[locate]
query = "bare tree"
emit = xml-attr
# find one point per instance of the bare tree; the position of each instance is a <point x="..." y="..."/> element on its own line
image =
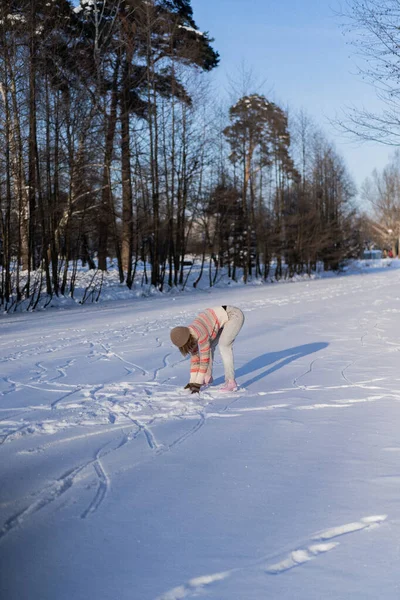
<point x="382" y="191"/>
<point x="375" y="35"/>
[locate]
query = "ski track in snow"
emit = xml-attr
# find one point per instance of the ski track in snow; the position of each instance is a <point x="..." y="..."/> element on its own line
<point x="318" y="544"/>
<point x="309" y="371"/>
<point x="43" y="498"/>
<point x="114" y="407"/>
<point x="117" y="402"/>
<point x="102" y="488"/>
<point x="53" y="491"/>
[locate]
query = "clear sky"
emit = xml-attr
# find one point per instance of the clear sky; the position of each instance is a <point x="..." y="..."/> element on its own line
<point x="298" y="49"/>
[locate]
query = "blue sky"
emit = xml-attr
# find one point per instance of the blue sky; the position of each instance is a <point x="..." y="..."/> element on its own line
<point x="296" y="47"/>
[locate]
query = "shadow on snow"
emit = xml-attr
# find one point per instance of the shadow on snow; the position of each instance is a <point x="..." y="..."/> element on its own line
<point x="277" y="360"/>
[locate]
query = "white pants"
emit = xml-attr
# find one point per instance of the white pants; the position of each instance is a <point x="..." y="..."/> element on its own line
<point x="225" y="339"/>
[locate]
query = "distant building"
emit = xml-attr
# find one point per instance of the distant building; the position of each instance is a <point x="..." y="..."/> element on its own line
<point x="372" y="254"/>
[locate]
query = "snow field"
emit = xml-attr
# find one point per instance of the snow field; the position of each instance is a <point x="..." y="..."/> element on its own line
<point x="117" y="484"/>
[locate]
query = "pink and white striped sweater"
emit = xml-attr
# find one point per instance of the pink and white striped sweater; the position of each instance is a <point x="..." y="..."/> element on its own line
<point x="205" y="329"/>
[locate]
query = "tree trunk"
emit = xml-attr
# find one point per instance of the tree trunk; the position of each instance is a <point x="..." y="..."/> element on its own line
<point x="106" y="213"/>
<point x="127" y="200"/>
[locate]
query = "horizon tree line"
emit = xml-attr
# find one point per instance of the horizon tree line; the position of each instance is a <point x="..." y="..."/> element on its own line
<point x="114" y="148"/>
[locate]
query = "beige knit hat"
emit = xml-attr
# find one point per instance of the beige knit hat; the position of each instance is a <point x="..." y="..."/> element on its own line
<point x="180" y="336"/>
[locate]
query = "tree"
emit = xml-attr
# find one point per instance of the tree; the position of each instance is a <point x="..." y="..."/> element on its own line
<point x="382" y="191"/>
<point x="374" y="25"/>
<point x="259" y="139"/>
<point x="145" y="40"/>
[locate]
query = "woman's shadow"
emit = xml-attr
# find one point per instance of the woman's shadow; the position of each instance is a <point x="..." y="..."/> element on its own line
<point x="276" y="359"/>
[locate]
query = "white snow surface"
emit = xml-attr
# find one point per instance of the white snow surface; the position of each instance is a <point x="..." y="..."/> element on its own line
<point x="118" y="485"/>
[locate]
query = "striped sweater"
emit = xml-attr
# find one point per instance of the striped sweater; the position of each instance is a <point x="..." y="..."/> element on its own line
<point x="205" y="329"/>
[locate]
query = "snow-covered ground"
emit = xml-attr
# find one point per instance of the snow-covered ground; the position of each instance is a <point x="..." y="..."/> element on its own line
<point x="95" y="286"/>
<point x="117" y="485"/>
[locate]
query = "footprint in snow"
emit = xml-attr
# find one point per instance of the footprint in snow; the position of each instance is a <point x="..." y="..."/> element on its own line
<point x="303" y="555"/>
<point x="195" y="587"/>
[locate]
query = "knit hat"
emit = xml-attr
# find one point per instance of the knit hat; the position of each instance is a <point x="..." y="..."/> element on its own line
<point x="180" y="336"/>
